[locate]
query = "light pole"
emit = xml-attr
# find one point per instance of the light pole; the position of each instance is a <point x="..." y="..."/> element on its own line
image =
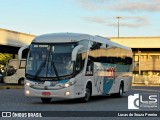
<point x="118" y="25"/>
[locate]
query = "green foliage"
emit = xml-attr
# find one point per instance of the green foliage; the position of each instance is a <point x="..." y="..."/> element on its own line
<point x="145" y="73"/>
<point x="4" y="58"/>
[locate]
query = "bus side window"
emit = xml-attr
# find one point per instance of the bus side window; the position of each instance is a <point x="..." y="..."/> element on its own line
<point x="80" y="60"/>
<point x="22" y="64"/>
<point x="90" y="66"/>
<point x="128" y="61"/>
<point x="79" y="63"/>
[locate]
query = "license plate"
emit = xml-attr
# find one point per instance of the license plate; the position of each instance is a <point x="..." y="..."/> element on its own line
<point x="46" y="93"/>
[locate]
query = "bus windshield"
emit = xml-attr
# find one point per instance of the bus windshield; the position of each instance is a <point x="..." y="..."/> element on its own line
<point x="50" y="60"/>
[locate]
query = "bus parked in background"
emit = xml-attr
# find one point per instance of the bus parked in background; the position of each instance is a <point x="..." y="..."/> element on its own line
<point x="2" y="73"/>
<point x="15" y="71"/>
<point x="72" y="65"/>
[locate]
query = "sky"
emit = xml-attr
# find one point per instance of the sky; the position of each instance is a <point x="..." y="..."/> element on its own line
<point x="95" y="17"/>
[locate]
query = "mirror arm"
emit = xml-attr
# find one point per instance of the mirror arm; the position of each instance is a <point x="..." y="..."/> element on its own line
<point x="74" y="52"/>
<point x="21" y="50"/>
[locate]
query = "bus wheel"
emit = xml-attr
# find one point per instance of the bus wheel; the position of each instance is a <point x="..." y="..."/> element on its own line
<point x="21" y="81"/>
<point x="1" y="80"/>
<point x="87" y="96"/>
<point x="120" y="93"/>
<point x="46" y="100"/>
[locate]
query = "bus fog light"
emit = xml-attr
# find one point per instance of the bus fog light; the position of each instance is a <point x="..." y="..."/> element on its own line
<point x="27" y="92"/>
<point x="67" y="93"/>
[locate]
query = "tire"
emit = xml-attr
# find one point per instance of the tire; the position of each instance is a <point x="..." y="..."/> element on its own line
<point x="1" y="80"/>
<point x="21" y="81"/>
<point x="120" y="93"/>
<point x="46" y="100"/>
<point x="87" y="96"/>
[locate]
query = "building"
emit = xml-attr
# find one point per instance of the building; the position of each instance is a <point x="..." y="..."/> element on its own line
<point x="146" y="50"/>
<point x="146" y="53"/>
<point x="14" y="38"/>
<point x="11" y="41"/>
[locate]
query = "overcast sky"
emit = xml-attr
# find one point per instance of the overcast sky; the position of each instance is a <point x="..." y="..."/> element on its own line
<point x="96" y="17"/>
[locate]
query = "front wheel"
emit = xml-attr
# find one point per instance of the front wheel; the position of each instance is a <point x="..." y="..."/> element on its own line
<point x="46" y="100"/>
<point x="87" y="96"/>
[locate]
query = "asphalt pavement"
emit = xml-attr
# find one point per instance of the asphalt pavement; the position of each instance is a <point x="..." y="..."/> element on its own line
<point x="15" y="100"/>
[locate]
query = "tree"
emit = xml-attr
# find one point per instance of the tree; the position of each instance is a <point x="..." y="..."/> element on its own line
<point x="4" y="58"/>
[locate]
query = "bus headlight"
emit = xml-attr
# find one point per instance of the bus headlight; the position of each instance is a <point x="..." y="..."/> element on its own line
<point x="28" y="84"/>
<point x="67" y="85"/>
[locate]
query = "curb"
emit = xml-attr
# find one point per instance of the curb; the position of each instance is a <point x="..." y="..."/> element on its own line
<point x="145" y="85"/>
<point x="11" y="87"/>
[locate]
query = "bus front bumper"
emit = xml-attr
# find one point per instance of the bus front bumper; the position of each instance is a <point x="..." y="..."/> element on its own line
<point x="61" y="93"/>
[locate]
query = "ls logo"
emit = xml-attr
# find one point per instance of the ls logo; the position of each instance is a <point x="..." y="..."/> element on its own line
<point x="143" y="101"/>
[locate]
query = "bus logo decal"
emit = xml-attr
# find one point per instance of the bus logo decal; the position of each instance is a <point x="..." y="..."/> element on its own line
<point x="111" y="72"/>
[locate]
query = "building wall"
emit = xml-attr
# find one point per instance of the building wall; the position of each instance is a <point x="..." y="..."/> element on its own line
<point x="12" y="38"/>
<point x="138" y="42"/>
<point x="146" y="53"/>
<point x="149" y="61"/>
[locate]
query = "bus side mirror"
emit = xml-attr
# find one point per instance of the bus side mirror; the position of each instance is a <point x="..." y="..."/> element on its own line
<point x="75" y="51"/>
<point x="21" y="50"/>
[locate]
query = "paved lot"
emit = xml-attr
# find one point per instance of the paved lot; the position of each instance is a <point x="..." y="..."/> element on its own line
<point x="14" y="100"/>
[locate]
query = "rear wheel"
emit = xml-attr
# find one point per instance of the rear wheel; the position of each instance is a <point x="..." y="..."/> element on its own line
<point x="46" y="100"/>
<point x="120" y="93"/>
<point x="87" y="96"/>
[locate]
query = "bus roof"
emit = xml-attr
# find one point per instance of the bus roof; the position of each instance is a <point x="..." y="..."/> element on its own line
<point x="73" y="37"/>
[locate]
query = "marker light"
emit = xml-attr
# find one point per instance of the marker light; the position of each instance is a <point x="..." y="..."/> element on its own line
<point x="27" y="92"/>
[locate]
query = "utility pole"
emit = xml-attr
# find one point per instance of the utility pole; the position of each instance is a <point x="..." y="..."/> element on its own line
<point x="118" y="24"/>
<point x="139" y="59"/>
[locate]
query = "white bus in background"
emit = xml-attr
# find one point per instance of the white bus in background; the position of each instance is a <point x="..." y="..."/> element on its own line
<point x="15" y="71"/>
<point x="72" y="65"/>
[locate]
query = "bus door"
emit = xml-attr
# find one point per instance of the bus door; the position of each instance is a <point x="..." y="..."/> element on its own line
<point x="98" y="78"/>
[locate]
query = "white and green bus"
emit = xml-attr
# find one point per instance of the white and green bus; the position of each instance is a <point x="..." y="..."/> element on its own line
<point x="73" y="65"/>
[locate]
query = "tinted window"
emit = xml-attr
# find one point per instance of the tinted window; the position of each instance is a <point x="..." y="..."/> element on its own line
<point x="109" y="54"/>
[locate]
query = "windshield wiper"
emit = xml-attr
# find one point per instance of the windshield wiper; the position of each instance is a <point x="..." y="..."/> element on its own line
<point x="39" y="69"/>
<point x="55" y="70"/>
<point x="29" y="76"/>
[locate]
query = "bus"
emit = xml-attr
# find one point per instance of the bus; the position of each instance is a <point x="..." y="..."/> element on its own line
<point x="15" y="72"/>
<point x="74" y="65"/>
